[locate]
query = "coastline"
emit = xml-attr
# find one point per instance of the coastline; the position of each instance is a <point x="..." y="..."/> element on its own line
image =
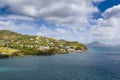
<point x="19" y="53"/>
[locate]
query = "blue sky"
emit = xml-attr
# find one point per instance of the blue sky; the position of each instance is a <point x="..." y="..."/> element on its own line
<point x="108" y="4"/>
<point x="74" y="20"/>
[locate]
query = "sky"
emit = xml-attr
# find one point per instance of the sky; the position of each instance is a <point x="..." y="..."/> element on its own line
<point x="74" y="20"/>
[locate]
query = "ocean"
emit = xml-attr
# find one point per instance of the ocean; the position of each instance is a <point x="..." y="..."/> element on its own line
<point x="99" y="63"/>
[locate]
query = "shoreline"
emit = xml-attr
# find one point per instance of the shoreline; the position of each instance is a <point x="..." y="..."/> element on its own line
<point x="6" y="55"/>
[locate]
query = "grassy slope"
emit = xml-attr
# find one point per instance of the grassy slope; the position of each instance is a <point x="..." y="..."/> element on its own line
<point x="6" y="35"/>
<point x="8" y="51"/>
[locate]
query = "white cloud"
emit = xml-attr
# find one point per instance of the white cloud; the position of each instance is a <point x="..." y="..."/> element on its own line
<point x="59" y="12"/>
<point x="71" y="17"/>
<point x="16" y="17"/>
<point x="7" y="25"/>
<point x="59" y="33"/>
<point x="22" y="27"/>
<point x="65" y="33"/>
<point x="108" y="27"/>
<point x="112" y="12"/>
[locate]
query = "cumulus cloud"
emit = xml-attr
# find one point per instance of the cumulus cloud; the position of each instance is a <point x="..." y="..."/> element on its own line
<point x="62" y="12"/>
<point x="16" y="17"/>
<point x="58" y="33"/>
<point x="65" y="33"/>
<point x="71" y="19"/>
<point x="108" y="27"/>
<point x="23" y="27"/>
<point x="112" y="12"/>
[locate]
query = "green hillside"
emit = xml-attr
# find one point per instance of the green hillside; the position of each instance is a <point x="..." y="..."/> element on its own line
<point x="36" y="45"/>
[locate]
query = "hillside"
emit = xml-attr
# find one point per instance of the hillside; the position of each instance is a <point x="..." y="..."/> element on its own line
<point x="6" y="34"/>
<point x="37" y="45"/>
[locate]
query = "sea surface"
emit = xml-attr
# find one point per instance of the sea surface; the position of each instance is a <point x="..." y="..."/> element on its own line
<point x="97" y="64"/>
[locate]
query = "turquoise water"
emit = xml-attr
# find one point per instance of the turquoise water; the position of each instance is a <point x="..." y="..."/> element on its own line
<point x="97" y="64"/>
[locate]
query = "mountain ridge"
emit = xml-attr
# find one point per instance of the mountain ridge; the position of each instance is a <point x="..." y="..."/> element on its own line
<point x="96" y="44"/>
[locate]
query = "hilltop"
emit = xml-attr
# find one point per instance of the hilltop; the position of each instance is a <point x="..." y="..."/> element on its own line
<point x="35" y="45"/>
<point x="6" y="35"/>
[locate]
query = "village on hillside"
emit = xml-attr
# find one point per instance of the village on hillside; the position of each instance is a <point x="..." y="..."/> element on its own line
<point x="17" y="44"/>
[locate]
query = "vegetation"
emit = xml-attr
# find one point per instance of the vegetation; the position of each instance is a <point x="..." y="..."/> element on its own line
<point x="7" y="52"/>
<point x="15" y="44"/>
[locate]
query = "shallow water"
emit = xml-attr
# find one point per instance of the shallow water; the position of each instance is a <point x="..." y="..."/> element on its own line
<point x="97" y="64"/>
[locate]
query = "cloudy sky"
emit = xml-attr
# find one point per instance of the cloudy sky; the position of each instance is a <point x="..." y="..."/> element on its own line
<point x="78" y="20"/>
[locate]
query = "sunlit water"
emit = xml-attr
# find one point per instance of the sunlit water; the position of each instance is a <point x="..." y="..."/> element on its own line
<point x="97" y="64"/>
